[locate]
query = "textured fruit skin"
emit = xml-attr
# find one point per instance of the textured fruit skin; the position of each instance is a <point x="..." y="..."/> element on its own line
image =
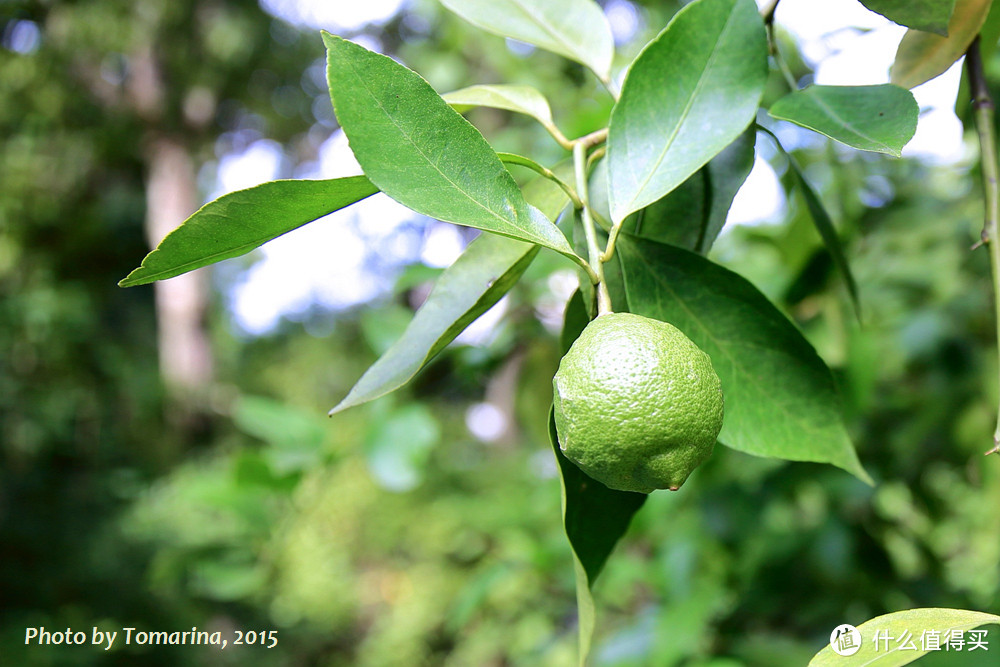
<point x="638" y="405"/>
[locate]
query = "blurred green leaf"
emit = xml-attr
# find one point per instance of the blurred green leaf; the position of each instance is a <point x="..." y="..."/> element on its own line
<point x="879" y="118"/>
<point x="780" y="397"/>
<point x="519" y="99"/>
<point x="921" y="56"/>
<point x="488" y="268"/>
<point x="927" y="15"/>
<point x="827" y="231"/>
<point x="235" y="224"/>
<point x="296" y="437"/>
<point x="398" y="445"/>
<point x="714" y="54"/>
<point x="422" y="153"/>
<point x="891" y="627"/>
<point x="575" y="29"/>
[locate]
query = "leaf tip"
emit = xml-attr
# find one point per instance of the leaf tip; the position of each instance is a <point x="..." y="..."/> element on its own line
<point x="132" y="280"/>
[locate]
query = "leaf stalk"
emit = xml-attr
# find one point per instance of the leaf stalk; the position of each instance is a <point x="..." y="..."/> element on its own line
<point x="589" y="230"/>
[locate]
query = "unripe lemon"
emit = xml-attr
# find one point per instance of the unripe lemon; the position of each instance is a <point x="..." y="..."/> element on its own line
<point x="638" y="405"/>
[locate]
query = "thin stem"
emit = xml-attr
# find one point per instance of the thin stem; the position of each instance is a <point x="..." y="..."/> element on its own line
<point x="592" y="139"/>
<point x="593" y="251"/>
<point x="595" y="156"/>
<point x="983" y="108"/>
<point x="520" y="160"/>
<point x="609" y="250"/>
<point x="767" y="12"/>
<point x="558" y="136"/>
<point x="772" y="46"/>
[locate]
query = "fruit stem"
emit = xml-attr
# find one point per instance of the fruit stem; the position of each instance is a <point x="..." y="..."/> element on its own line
<point x="593" y="251"/>
<point x="982" y="105"/>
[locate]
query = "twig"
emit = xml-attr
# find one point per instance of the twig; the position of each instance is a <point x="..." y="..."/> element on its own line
<point x="982" y="113"/>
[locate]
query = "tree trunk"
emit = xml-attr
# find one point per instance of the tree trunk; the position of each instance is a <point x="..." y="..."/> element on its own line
<point x="181" y="302"/>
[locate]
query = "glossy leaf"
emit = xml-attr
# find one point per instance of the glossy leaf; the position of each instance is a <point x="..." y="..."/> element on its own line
<point x="824" y="225"/>
<point x="879" y="118"/>
<point x="487" y="269"/>
<point x="238" y="222"/>
<point x="927" y="15"/>
<point x="594" y="516"/>
<point x="687" y="96"/>
<point x="693" y="214"/>
<point x="879" y="647"/>
<point x="780" y="397"/>
<point x="519" y="99"/>
<point x="575" y="29"/>
<point x="921" y="56"/>
<point x="422" y="153"/>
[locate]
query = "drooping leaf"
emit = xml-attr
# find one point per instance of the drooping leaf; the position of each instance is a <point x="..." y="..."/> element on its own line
<point x="238" y="222"/>
<point x="422" y="153"/>
<point x="487" y="269"/>
<point x="687" y="96"/>
<point x="824" y="225"/>
<point x="879" y="118"/>
<point x="921" y="56"/>
<point x="594" y="516"/>
<point x="779" y="395"/>
<point x="901" y="637"/>
<point x="693" y="214"/>
<point x="926" y="15"/>
<point x="519" y="99"/>
<point x="576" y="29"/>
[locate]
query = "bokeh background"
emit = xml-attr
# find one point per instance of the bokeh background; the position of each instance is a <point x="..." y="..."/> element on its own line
<point x="165" y="458"/>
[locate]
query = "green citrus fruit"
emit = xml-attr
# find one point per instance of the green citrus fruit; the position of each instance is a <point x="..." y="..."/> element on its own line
<point x="638" y="405"/>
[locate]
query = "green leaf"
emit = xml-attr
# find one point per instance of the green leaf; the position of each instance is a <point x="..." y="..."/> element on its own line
<point x="921" y="56"/>
<point x="238" y="222"/>
<point x="826" y="229"/>
<point x="687" y="96"/>
<point x="780" y="397"/>
<point x="693" y="214"/>
<point x="422" y="153"/>
<point x="878" y="645"/>
<point x="575" y="29"/>
<point x="519" y="99"/>
<point x="487" y="269"/>
<point x="926" y="15"/>
<point x="398" y="445"/>
<point x="879" y="118"/>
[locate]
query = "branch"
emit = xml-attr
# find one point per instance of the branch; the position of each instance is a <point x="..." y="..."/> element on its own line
<point x="982" y="113"/>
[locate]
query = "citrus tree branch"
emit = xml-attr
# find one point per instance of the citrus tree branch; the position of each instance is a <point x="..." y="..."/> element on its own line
<point x="982" y="113"/>
<point x="593" y="251"/>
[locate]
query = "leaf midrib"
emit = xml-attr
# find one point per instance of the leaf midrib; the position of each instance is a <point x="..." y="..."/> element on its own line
<point x="548" y="28"/>
<point x="684" y="114"/>
<point x="513" y="223"/>
<point x="849" y="126"/>
<point x="212" y="258"/>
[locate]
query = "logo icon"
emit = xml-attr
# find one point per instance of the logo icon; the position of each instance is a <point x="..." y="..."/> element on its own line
<point x="845" y="640"/>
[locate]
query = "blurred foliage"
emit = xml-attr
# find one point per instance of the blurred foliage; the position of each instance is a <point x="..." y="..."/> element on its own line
<point x="391" y="534"/>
